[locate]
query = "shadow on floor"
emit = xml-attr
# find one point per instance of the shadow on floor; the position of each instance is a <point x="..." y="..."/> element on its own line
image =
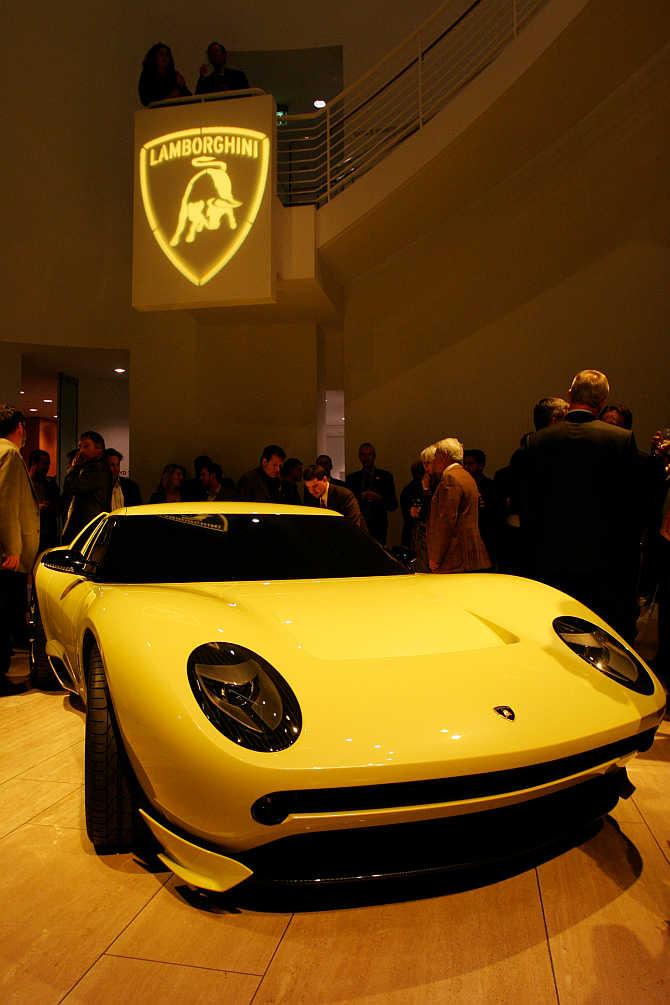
<point x="602" y="840"/>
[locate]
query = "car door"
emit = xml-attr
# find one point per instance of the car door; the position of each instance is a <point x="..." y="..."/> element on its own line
<point x="67" y="594"/>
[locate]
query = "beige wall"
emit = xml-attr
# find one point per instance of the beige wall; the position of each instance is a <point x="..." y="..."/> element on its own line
<point x="366" y="31"/>
<point x="68" y="173"/>
<point x="564" y="264"/>
<point x="103" y="406"/>
<point x="10" y="374"/>
<point x="223" y="391"/>
<point x="256" y="385"/>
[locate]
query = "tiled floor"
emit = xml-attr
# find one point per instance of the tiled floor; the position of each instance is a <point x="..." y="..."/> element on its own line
<point x="588" y="926"/>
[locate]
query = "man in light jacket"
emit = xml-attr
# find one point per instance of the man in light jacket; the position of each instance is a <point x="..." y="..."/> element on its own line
<point x="453" y="539"/>
<point x="19" y="531"/>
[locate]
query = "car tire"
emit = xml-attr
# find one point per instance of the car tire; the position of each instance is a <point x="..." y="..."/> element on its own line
<point x="41" y="674"/>
<point x="108" y="790"/>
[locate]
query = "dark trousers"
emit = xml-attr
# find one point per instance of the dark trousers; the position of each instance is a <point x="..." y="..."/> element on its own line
<point x="12" y="614"/>
<point x="662" y="661"/>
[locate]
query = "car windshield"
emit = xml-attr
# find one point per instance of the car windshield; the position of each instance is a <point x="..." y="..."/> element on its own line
<point x="215" y="547"/>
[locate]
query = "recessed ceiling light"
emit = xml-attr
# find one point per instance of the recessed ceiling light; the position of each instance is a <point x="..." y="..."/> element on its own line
<point x="119" y="369"/>
<point x="48" y="401"/>
<point x="55" y="416"/>
<point x="22" y="392"/>
<point x="319" y="103"/>
<point x="32" y="409"/>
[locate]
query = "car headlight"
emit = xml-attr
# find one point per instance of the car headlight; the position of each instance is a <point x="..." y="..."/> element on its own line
<point x="244" y="697"/>
<point x="604" y="653"/>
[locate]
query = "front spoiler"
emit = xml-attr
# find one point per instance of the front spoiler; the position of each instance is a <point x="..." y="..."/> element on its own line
<point x="196" y="865"/>
<point x="406" y="850"/>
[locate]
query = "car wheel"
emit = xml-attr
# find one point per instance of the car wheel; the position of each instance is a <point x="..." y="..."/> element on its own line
<point x="108" y="790"/>
<point x="41" y="674"/>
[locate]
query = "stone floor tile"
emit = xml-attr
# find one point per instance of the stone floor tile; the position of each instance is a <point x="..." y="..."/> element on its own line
<point x="115" y="979"/>
<point x="482" y="945"/>
<point x="21" y="799"/>
<point x="174" y="930"/>
<point x="61" y="905"/>
<point x="607" y="905"/>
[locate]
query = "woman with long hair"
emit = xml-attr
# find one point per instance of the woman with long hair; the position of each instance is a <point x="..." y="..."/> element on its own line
<point x="159" y="79"/>
<point x="169" y="487"/>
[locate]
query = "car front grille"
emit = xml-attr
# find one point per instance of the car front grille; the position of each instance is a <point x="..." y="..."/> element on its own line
<point x="428" y="849"/>
<point x="274" y="808"/>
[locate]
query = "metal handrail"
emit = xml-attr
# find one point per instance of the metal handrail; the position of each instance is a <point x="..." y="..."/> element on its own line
<point x="321" y="153"/>
<point x="194" y="99"/>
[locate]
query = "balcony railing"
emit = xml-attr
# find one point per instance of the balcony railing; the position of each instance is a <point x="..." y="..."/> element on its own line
<point x="321" y="153"/>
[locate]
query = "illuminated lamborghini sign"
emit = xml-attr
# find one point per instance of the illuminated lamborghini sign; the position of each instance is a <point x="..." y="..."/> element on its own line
<point x="201" y="191"/>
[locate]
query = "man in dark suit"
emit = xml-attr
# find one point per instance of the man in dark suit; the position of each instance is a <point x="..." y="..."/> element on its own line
<point x="216" y="486"/>
<point x="263" y="484"/>
<point x="325" y="461"/>
<point x="222" y="77"/>
<point x="87" y="489"/>
<point x="580" y="506"/>
<point x="125" y="492"/>
<point x="375" y="490"/>
<point x="335" y="497"/>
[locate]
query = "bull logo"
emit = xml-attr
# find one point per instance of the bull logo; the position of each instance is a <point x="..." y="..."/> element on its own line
<point x="201" y="219"/>
<point x="506" y="712"/>
<point x="198" y="214"/>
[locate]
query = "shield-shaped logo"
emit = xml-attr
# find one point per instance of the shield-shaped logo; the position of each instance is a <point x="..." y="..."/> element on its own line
<point x="506" y="712"/>
<point x="201" y="190"/>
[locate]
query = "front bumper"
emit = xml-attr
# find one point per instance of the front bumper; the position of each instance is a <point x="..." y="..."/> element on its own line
<point x="409" y="850"/>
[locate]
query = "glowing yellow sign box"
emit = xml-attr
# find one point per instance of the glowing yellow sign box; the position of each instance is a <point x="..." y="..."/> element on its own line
<point x="189" y="193"/>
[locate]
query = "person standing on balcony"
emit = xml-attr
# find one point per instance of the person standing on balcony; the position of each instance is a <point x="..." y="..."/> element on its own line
<point x="159" y="79"/>
<point x="221" y="77"/>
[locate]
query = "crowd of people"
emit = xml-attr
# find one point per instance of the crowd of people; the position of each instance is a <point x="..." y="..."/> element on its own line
<point x="578" y="507"/>
<point x="160" y="79"/>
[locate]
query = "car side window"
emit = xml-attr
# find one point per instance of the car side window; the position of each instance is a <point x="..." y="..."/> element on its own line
<point x="84" y="538"/>
<point x="98" y="544"/>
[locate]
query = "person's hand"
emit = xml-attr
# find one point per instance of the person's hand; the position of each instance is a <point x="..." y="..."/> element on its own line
<point x="204" y="70"/>
<point x="10" y="563"/>
<point x="433" y="566"/>
<point x="415" y="512"/>
<point x="371" y="496"/>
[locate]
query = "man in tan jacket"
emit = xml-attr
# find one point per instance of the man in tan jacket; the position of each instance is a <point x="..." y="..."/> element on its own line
<point x="453" y="540"/>
<point x="19" y="530"/>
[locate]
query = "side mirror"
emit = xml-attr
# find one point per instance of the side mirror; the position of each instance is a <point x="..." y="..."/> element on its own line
<point x="404" y="556"/>
<point x="68" y="561"/>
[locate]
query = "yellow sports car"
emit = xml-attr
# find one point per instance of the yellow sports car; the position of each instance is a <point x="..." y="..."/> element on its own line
<point x="273" y="694"/>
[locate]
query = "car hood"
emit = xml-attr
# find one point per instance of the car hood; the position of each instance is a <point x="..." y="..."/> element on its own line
<point x="354" y="619"/>
<point x="390" y="671"/>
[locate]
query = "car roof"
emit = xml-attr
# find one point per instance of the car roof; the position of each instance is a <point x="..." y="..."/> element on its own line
<point x="230" y="508"/>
